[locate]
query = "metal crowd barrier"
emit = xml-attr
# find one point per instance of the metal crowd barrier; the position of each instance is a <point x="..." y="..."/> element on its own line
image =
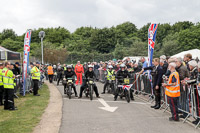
<point x="102" y="76"/>
<point x="189" y="100"/>
<point x="142" y="85"/>
<point x="29" y="85"/>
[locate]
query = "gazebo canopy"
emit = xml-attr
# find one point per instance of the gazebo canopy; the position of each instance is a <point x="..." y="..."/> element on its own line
<point x="194" y="52"/>
<point x="6" y="54"/>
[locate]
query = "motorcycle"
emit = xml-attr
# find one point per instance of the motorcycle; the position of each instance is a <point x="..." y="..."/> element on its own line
<point x="112" y="83"/>
<point x="68" y="85"/>
<point x="90" y="88"/>
<point x="124" y="89"/>
<point x="55" y="76"/>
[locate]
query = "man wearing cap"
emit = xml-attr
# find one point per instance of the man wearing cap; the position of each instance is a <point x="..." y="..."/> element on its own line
<point x="1" y="85"/>
<point x="35" y="72"/>
<point x="37" y="65"/>
<point x="16" y="69"/>
<point x="79" y="71"/>
<point x="8" y="84"/>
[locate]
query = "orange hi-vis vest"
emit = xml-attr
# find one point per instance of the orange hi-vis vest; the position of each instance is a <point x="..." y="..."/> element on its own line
<point x="50" y="70"/>
<point x="173" y="91"/>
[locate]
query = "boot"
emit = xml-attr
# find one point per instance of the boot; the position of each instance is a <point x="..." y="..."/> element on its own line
<point x="157" y="106"/>
<point x="154" y="105"/>
<point x="196" y="122"/>
<point x="158" y="100"/>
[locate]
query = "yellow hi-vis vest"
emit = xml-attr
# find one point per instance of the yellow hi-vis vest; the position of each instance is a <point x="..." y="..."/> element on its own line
<point x="35" y="72"/>
<point x="109" y="74"/>
<point x="1" y="78"/>
<point x="173" y="91"/>
<point x="8" y="80"/>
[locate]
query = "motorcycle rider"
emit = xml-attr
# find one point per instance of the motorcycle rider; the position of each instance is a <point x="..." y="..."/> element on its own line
<point x="50" y="73"/>
<point x="122" y="73"/>
<point x="69" y="73"/>
<point x="110" y="73"/>
<point x="89" y="74"/>
<point x="59" y="74"/>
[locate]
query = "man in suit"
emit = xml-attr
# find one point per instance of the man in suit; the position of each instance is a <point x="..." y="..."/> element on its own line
<point x="157" y="81"/>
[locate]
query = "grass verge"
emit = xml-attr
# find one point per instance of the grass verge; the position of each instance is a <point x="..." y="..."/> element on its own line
<point x="28" y="115"/>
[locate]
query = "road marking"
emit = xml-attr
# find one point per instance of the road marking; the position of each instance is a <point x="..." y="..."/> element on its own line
<point x="126" y="102"/>
<point x="84" y="100"/>
<point x="123" y="102"/>
<point x="106" y="106"/>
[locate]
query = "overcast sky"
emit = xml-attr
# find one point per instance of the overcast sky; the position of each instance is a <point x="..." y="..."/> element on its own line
<point x="71" y="14"/>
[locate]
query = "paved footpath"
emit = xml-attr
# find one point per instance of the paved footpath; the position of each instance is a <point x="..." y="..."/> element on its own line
<point x="51" y="119"/>
<point x="85" y="116"/>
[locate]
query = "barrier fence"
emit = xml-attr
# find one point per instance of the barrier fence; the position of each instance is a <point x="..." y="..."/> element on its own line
<point x="18" y="89"/>
<point x="189" y="100"/>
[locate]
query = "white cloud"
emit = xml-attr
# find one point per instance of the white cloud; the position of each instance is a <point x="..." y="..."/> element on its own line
<point x="71" y="14"/>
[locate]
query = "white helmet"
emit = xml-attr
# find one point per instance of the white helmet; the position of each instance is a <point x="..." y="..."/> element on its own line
<point x="54" y="66"/>
<point x="90" y="66"/>
<point x="110" y="67"/>
<point x="122" y="65"/>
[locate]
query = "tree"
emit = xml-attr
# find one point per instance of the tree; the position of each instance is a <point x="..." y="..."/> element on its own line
<point x="126" y="29"/>
<point x="13" y="45"/>
<point x="177" y="27"/>
<point x="143" y="33"/>
<point x="119" y="52"/>
<point x="103" y="40"/>
<point x="8" y="33"/>
<point x="170" y="45"/>
<point x="189" y="38"/>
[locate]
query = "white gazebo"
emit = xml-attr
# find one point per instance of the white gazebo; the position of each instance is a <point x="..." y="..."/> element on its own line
<point x="194" y="52"/>
<point x="6" y="54"/>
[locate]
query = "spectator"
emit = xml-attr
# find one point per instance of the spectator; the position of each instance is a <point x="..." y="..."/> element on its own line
<point x="173" y="91"/>
<point x="183" y="73"/>
<point x="165" y="65"/>
<point x="187" y="59"/>
<point x="16" y="69"/>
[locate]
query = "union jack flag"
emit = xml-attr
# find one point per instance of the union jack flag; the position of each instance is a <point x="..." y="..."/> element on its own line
<point x="126" y="87"/>
<point x="151" y="43"/>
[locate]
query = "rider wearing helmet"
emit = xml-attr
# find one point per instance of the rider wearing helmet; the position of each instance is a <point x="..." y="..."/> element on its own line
<point x="110" y="72"/>
<point x="59" y="74"/>
<point x="89" y="74"/>
<point x="122" y="73"/>
<point x="69" y="73"/>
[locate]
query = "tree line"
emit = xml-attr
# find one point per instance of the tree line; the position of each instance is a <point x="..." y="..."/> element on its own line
<point x="95" y="44"/>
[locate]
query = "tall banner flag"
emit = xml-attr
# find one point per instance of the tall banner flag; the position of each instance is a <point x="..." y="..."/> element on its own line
<point x="27" y="42"/>
<point x="151" y="42"/>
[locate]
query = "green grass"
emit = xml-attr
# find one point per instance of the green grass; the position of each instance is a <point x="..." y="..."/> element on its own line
<point x="28" y="115"/>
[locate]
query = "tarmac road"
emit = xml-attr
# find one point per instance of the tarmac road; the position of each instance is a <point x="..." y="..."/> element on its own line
<point x="85" y="116"/>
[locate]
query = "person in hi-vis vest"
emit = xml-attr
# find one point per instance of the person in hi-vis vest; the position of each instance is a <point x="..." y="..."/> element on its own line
<point x="8" y="84"/>
<point x="50" y="73"/>
<point x="172" y="90"/>
<point x="1" y="85"/>
<point x="35" y="74"/>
